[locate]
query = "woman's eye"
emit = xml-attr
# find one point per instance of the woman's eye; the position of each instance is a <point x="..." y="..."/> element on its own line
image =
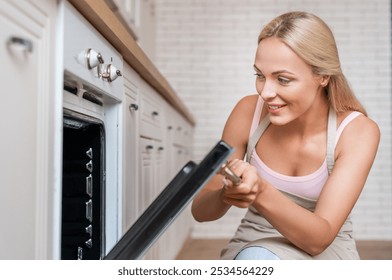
<point x="260" y="76"/>
<point x="283" y="81"/>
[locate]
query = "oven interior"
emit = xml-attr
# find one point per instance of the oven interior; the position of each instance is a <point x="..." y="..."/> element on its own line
<point x="82" y="226"/>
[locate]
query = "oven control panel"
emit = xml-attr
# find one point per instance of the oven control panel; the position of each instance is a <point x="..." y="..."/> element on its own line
<point x="89" y="58"/>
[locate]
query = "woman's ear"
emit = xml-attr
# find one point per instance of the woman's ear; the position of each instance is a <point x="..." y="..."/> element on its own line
<point x="324" y="80"/>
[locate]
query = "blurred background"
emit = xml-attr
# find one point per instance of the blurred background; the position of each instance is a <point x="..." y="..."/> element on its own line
<point x="205" y="48"/>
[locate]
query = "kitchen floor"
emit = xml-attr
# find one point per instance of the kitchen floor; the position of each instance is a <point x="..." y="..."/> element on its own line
<point x="209" y="249"/>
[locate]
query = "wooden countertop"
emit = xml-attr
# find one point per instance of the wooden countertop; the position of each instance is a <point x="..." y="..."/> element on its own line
<point x="99" y="14"/>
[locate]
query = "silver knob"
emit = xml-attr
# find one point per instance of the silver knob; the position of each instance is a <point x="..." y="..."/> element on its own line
<point x="24" y="44"/>
<point x="133" y="107"/>
<point x="90" y="58"/>
<point x="110" y="73"/>
<point x="149" y="147"/>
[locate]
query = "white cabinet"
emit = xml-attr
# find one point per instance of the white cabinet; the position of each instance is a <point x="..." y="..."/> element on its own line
<point x="130" y="201"/>
<point x="157" y="141"/>
<point x="26" y="122"/>
<point x="139" y="17"/>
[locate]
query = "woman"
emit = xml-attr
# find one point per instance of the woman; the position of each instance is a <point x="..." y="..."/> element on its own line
<point x="309" y="147"/>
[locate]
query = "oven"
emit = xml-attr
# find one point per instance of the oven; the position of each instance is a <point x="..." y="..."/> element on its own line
<point x="92" y="97"/>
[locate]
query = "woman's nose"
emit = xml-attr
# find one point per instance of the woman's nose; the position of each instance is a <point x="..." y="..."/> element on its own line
<point x="268" y="91"/>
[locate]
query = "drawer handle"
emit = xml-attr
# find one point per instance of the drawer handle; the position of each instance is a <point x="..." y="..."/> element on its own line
<point x="25" y="44"/>
<point x="133" y="107"/>
<point x="149" y="147"/>
<point x="155" y="113"/>
<point x="161" y="148"/>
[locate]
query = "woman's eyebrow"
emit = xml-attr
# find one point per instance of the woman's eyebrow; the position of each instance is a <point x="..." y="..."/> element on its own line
<point x="284" y="71"/>
<point x="256" y="69"/>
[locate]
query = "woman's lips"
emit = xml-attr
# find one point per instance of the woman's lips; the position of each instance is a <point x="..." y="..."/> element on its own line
<point x="275" y="107"/>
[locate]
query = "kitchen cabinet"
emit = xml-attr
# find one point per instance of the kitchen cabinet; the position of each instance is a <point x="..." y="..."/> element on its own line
<point x="157" y="143"/>
<point x="138" y="17"/>
<point x="130" y="201"/>
<point x="27" y="190"/>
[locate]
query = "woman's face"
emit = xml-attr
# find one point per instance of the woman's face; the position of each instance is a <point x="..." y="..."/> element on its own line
<point x="285" y="82"/>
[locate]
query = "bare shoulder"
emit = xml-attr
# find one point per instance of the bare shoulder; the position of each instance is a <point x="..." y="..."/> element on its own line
<point x="361" y="132"/>
<point x="238" y="125"/>
<point x="247" y="103"/>
<point x="244" y="109"/>
<point x="361" y="125"/>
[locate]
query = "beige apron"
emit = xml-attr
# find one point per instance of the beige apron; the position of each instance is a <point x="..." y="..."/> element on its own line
<point x="255" y="230"/>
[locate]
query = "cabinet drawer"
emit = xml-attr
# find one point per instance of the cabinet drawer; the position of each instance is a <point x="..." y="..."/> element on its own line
<point x="151" y="117"/>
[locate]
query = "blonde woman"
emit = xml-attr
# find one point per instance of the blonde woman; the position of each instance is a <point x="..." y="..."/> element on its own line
<point x="308" y="145"/>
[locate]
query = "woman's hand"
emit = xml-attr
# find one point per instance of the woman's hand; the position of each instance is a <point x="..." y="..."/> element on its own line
<point x="243" y="194"/>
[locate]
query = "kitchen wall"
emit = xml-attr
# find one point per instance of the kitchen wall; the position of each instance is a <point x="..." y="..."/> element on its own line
<point x="205" y="48"/>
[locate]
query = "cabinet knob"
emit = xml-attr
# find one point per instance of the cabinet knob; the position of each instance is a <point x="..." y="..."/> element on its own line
<point x="149" y="147"/>
<point x="155" y="113"/>
<point x="133" y="107"/>
<point x="90" y="58"/>
<point x="161" y="148"/>
<point x="110" y="73"/>
<point x="24" y="44"/>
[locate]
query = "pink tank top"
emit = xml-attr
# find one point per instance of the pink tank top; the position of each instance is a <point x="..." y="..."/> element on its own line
<point x="308" y="186"/>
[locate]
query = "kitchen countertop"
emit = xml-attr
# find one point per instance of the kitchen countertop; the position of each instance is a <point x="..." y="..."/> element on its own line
<point x="99" y="14"/>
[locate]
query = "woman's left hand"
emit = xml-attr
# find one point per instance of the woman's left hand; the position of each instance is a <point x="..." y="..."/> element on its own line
<point x="243" y="194"/>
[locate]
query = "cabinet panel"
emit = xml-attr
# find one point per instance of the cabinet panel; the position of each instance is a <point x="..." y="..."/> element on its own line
<point x="25" y="119"/>
<point x="130" y="164"/>
<point x="152" y="114"/>
<point x="146" y="183"/>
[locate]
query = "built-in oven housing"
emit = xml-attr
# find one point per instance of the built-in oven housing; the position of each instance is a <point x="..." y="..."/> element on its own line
<point x="92" y="96"/>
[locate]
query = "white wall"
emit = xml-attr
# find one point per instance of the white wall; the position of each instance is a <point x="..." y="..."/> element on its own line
<point x="205" y="48"/>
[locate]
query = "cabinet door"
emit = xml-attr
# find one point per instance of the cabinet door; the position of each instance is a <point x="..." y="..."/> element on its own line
<point x="25" y="108"/>
<point x="130" y="194"/>
<point x="146" y="183"/>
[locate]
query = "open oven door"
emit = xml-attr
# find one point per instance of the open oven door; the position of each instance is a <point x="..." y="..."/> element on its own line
<point x="169" y="204"/>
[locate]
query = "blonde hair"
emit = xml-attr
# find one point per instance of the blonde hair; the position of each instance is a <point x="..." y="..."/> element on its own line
<point x="312" y="40"/>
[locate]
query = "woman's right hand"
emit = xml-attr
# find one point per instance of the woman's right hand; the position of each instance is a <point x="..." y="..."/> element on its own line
<point x="243" y="194"/>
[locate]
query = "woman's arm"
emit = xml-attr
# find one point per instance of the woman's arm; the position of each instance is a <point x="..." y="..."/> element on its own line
<point x="209" y="204"/>
<point x="314" y="232"/>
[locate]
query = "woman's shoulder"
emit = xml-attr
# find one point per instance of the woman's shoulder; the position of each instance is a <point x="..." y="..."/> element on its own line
<point x="357" y="126"/>
<point x="245" y="107"/>
<point x="248" y="102"/>
<point x="356" y="120"/>
<point x="239" y="122"/>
